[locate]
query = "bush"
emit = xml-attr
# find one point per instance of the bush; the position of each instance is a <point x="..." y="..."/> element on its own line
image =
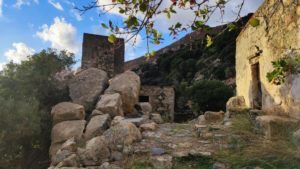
<point x="209" y="95"/>
<point x="27" y="93"/>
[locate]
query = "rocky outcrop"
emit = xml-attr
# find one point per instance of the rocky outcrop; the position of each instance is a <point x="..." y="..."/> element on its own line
<point x="236" y="104"/>
<point x="111" y="104"/>
<point x="96" y="126"/>
<point x="67" y="111"/>
<point x="66" y="130"/>
<point x="95" y="153"/>
<point x="128" y="85"/>
<point x="86" y="87"/>
<point x="122" y="133"/>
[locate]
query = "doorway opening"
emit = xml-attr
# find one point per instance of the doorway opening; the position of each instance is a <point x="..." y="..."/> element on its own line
<point x="256" y="87"/>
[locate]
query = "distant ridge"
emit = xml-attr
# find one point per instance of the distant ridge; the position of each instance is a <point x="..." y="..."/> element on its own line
<point x="196" y="35"/>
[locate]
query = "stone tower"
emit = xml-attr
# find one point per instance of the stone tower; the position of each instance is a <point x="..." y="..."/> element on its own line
<point x="97" y="52"/>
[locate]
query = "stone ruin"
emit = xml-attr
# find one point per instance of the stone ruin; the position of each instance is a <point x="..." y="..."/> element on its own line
<point x="98" y="52"/>
<point x="277" y="36"/>
<point x="162" y="100"/>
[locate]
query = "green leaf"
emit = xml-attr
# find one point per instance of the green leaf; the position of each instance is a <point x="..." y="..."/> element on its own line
<point x="168" y="14"/>
<point x="104" y="26"/>
<point x="254" y="22"/>
<point x="143" y="7"/>
<point x="112" y="38"/>
<point x="209" y="41"/>
<point x="178" y="25"/>
<point x="231" y="26"/>
<point x="199" y="24"/>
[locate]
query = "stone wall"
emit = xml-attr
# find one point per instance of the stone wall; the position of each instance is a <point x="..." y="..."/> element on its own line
<point x="162" y="100"/>
<point x="278" y="35"/>
<point x="97" y="52"/>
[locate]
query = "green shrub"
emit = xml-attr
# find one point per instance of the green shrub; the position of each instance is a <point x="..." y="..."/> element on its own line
<point x="27" y="93"/>
<point x="209" y="95"/>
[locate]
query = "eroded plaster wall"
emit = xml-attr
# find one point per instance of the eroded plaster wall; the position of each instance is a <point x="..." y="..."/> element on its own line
<point x="277" y="36"/>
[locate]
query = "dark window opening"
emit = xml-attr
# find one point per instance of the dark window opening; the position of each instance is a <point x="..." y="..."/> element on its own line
<point x="144" y="99"/>
<point x="256" y="87"/>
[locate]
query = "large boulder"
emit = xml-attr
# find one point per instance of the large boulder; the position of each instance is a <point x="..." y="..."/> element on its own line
<point x="95" y="153"/>
<point x="66" y="130"/>
<point x="96" y="126"/>
<point x="86" y="87"/>
<point x="275" y="126"/>
<point x="110" y="104"/>
<point x="122" y="133"/>
<point x="128" y="84"/>
<point x="67" y="111"/>
<point x="236" y="104"/>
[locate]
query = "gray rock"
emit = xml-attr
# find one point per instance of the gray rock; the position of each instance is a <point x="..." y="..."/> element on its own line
<point x="60" y="156"/>
<point x="96" y="113"/>
<point x="96" y="126"/>
<point x="67" y="111"/>
<point x="218" y="165"/>
<point x="110" y="104"/>
<point x="162" y="162"/>
<point x="106" y="165"/>
<point x="146" y="107"/>
<point x="117" y="120"/>
<point x="135" y="121"/>
<point x="70" y="161"/>
<point x="128" y="85"/>
<point x="148" y="126"/>
<point x="54" y="147"/>
<point x="69" y="145"/>
<point x="123" y="133"/>
<point x="116" y="156"/>
<point x="157" y="118"/>
<point x="95" y="153"/>
<point x="157" y="151"/>
<point x="86" y="87"/>
<point x="66" y="130"/>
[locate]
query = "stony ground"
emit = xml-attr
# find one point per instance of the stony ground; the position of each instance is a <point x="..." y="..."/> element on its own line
<point x="171" y="140"/>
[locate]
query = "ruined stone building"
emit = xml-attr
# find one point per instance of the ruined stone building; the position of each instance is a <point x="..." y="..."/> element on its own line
<point x="277" y="36"/>
<point x="97" y="52"/>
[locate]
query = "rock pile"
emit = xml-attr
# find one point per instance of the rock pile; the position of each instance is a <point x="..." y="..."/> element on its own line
<point x="93" y="130"/>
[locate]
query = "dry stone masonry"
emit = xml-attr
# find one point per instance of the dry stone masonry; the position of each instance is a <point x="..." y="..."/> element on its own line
<point x="98" y="52"/>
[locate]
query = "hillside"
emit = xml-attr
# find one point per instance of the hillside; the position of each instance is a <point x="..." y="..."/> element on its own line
<point x="188" y="62"/>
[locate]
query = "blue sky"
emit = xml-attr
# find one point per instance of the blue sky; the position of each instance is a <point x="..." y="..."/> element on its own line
<point x="28" y="26"/>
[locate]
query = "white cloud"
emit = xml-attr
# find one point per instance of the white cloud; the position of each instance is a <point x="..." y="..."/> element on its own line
<point x="1" y="4"/>
<point x="20" y="52"/>
<point x="20" y="3"/>
<point x="56" y="5"/>
<point x="185" y="17"/>
<point x="61" y="35"/>
<point x="76" y="14"/>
